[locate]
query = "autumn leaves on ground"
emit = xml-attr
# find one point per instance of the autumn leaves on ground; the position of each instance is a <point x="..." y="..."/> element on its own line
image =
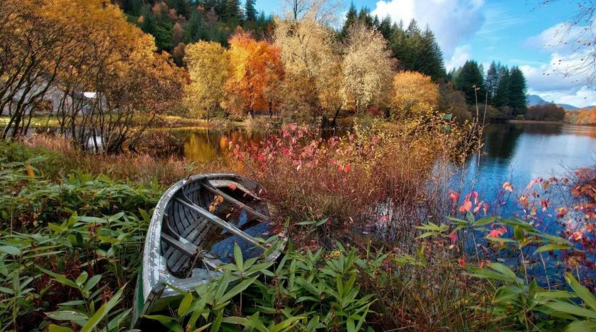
<point x="379" y="238"/>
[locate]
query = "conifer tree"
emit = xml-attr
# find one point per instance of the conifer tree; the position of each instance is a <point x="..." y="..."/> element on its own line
<point x="502" y="93"/>
<point x="385" y="28"/>
<point x="132" y="7"/>
<point x="470" y="81"/>
<point x="492" y="82"/>
<point x="231" y="11"/>
<point x="351" y="19"/>
<point x="517" y="92"/>
<point x="250" y="13"/>
<point x="194" y="29"/>
<point x="430" y="57"/>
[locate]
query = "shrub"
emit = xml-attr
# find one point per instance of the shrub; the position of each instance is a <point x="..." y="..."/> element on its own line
<point x="345" y="179"/>
<point x="546" y="112"/>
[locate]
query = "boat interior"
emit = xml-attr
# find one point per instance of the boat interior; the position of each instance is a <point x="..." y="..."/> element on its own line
<point x="206" y="217"/>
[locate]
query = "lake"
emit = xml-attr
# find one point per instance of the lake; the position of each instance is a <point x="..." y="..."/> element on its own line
<point x="515" y="153"/>
<point x="518" y="153"/>
<point x="512" y="152"/>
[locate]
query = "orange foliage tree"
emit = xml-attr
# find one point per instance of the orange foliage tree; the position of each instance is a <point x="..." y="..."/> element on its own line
<point x="256" y="73"/>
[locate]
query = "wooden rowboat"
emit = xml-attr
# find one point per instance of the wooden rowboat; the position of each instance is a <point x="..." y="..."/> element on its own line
<point x="193" y="231"/>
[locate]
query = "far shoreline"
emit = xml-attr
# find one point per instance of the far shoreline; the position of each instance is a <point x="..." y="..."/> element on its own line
<point x="536" y="121"/>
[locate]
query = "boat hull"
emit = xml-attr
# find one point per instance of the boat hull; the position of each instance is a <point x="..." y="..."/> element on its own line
<point x="164" y="262"/>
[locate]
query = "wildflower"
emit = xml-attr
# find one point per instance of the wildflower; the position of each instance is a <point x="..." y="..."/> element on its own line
<point x="507" y="186"/>
<point x="497" y="232"/>
<point x="453" y="237"/>
<point x="462" y="261"/>
<point x="453" y="195"/>
<point x="467" y="206"/>
<point x="532" y="182"/>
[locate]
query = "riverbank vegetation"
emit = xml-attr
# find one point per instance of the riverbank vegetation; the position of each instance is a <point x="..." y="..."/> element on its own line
<point x="74" y="224"/>
<point x="379" y="237"/>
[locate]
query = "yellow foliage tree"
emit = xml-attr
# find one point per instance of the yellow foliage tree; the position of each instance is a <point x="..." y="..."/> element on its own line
<point x="256" y="73"/>
<point x="312" y="70"/>
<point x="367" y="69"/>
<point x="83" y="56"/>
<point x="209" y="70"/>
<point x="413" y="94"/>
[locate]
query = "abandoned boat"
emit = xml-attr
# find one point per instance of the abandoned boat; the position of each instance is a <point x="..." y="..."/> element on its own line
<point x="193" y="231"/>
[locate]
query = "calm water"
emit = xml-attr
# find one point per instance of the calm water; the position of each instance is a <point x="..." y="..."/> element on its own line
<point x="512" y="152"/>
<point x="521" y="152"/>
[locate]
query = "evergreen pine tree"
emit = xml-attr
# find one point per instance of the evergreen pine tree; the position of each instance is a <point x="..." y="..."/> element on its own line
<point x="365" y="18"/>
<point x="182" y="7"/>
<point x="375" y="22"/>
<point x="470" y="81"/>
<point x="429" y="59"/>
<point x="517" y="92"/>
<point x="412" y="47"/>
<point x="492" y="82"/>
<point x="194" y="28"/>
<point x="132" y="7"/>
<point x="231" y="12"/>
<point x="502" y="94"/>
<point x="250" y="13"/>
<point x="398" y="43"/>
<point x="385" y="28"/>
<point x="351" y="19"/>
<point x="148" y="23"/>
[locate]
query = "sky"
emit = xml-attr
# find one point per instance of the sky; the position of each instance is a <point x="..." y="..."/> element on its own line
<point x="513" y="32"/>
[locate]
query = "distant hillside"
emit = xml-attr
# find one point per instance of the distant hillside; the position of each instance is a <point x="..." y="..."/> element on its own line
<point x="534" y="100"/>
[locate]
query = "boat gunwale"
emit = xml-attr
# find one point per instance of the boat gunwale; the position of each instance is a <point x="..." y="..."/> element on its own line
<point x="155" y="274"/>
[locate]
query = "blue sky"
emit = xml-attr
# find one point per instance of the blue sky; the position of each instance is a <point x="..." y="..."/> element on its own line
<point x="514" y="32"/>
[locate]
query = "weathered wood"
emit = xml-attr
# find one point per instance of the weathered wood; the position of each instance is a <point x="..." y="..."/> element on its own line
<point x="236" y="202"/>
<point x="219" y="222"/>
<point x="187" y="249"/>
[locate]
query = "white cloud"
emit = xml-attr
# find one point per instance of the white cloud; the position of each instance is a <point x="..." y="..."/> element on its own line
<point x="563" y="38"/>
<point x="579" y="97"/>
<point x="452" y="21"/>
<point x="460" y="55"/>
<point x="567" y="76"/>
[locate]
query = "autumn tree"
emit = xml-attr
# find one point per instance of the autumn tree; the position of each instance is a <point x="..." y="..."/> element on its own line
<point x="546" y="112"/>
<point x="256" y="72"/>
<point x="100" y="69"/>
<point x="322" y="11"/>
<point x="453" y="102"/>
<point x="414" y="94"/>
<point x="309" y="61"/>
<point x="208" y="68"/>
<point x="367" y="70"/>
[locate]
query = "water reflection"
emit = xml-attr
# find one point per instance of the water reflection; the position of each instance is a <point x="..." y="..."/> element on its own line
<point x="206" y="145"/>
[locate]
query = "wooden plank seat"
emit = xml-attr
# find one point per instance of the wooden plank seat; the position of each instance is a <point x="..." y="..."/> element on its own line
<point x="190" y="224"/>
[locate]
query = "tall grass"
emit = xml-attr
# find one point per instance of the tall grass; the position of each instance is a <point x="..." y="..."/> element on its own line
<point x="135" y="167"/>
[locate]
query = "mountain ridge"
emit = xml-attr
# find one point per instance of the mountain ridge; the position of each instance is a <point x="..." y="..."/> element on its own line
<point x="534" y="100"/>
